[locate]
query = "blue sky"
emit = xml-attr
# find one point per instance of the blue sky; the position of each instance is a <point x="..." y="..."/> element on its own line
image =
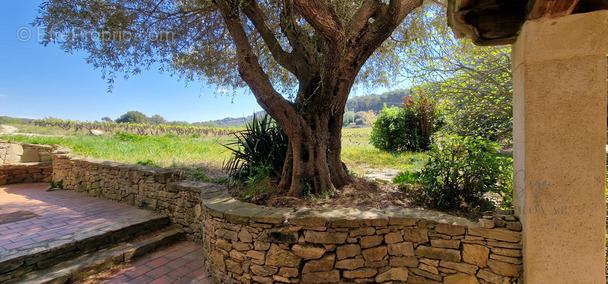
<point x="39" y="82"/>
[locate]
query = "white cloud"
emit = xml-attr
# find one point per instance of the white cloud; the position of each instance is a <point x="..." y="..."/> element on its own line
<point x="221" y="91"/>
<point x="2" y="95"/>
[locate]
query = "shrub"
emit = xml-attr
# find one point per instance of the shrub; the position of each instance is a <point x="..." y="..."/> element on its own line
<point x="406" y="177"/>
<point x="260" y="149"/>
<point x="408" y="128"/>
<point x="127" y="137"/>
<point x="461" y="171"/>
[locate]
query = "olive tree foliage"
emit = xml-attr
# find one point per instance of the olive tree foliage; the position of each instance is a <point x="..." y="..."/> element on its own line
<point x="299" y="58"/>
<point x="473" y="81"/>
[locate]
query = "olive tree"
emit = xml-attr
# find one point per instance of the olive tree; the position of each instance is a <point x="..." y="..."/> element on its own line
<point x="300" y="58"/>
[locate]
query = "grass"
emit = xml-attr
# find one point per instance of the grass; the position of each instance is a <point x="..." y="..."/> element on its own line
<point x="360" y="156"/>
<point x="164" y="151"/>
<point x="198" y="154"/>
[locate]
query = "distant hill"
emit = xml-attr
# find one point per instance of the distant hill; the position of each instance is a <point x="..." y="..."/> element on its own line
<point x="14" y="120"/>
<point x="376" y="102"/>
<point x="356" y="104"/>
<point x="229" y="121"/>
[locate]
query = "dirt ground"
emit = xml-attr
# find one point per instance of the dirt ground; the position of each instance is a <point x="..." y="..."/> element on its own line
<point x="7" y="129"/>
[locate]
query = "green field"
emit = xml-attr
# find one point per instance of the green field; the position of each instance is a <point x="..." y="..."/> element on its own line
<point x="204" y="153"/>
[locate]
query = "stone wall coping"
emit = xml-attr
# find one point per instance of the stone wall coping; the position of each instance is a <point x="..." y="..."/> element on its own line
<point x="111" y="164"/>
<point x="28" y="164"/>
<point x="49" y="147"/>
<point x="219" y="203"/>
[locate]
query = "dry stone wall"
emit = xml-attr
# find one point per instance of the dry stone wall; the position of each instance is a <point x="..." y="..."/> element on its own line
<point x="23" y="163"/>
<point x="146" y="187"/>
<point x="246" y="243"/>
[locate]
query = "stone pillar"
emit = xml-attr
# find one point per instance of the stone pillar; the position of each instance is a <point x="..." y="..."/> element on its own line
<point x="559" y="82"/>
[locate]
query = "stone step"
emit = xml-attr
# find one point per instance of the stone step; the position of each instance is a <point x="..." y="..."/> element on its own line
<point x="98" y="261"/>
<point x="41" y="256"/>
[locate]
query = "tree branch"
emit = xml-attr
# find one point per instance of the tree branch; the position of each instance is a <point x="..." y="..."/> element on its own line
<point x="257" y="17"/>
<point x="323" y="18"/>
<point x="297" y="37"/>
<point x="369" y="9"/>
<point x="251" y="71"/>
<point x="391" y="16"/>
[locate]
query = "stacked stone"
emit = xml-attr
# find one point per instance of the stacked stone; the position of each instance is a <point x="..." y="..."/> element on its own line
<point x="250" y="244"/>
<point x="23" y="163"/>
<point x="146" y="187"/>
<point x="15" y="153"/>
<point x="502" y="220"/>
<point x="25" y="173"/>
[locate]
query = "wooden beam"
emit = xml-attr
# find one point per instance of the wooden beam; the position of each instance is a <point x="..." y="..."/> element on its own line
<point x="550" y="8"/>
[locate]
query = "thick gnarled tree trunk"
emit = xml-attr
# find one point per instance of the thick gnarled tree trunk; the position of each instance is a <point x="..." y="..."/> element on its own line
<point x="325" y="64"/>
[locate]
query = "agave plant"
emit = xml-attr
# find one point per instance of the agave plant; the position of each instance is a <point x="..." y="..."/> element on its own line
<point x="259" y="149"/>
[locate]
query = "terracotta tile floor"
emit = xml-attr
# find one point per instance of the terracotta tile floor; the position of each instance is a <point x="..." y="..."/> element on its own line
<point x="179" y="263"/>
<point x="65" y="216"/>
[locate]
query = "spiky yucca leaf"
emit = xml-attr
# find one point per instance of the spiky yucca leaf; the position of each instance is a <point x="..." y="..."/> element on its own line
<point x="261" y="146"/>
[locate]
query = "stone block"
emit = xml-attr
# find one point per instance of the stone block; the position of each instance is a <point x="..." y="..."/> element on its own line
<point x="452" y="230"/>
<point x="263" y="270"/>
<point x="360" y="273"/>
<point x="308" y="251"/>
<point x="507" y="252"/>
<point x="402" y="248"/>
<point x="234" y="267"/>
<point x="393" y="274"/>
<point x="350" y="264"/>
<point x="322" y="277"/>
<point x="497" y="234"/>
<point x="415" y="235"/>
<point x="30" y="155"/>
<point x="428" y="268"/>
<point x="486" y="223"/>
<point x="255" y="254"/>
<point x="507" y="259"/>
<point x="451" y="244"/>
<point x="503" y="268"/>
<point x="245" y="236"/>
<point x="366" y="231"/>
<point x="324" y="264"/>
<point x="12" y="159"/>
<point x="415" y="279"/>
<point x="460" y="278"/>
<point x="370" y="241"/>
<point x="348" y="251"/>
<point x="490" y="277"/>
<point x="410" y="261"/>
<point x="392" y="238"/>
<point x="438" y="253"/>
<point x="459" y="266"/>
<point x="280" y="257"/>
<point x="14" y="149"/>
<point x="325" y="237"/>
<point x="374" y="254"/>
<point x="426" y="274"/>
<point x="475" y="254"/>
<point x="289" y="272"/>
